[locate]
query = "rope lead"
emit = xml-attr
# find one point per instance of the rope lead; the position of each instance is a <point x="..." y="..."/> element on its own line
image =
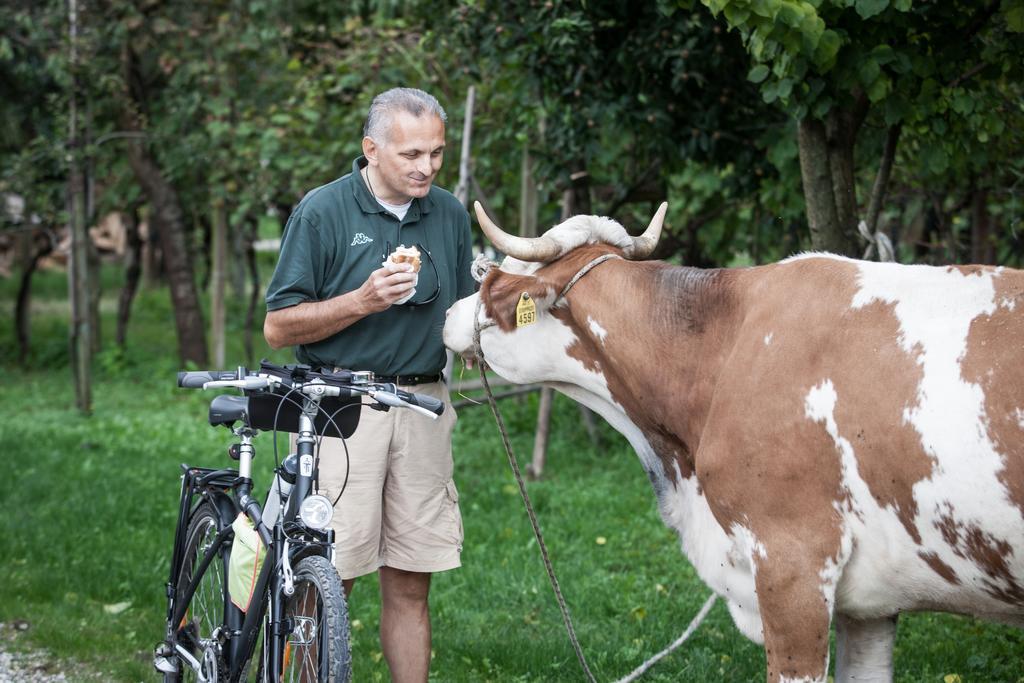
<point x="533" y="521"/>
<point x="478" y="327"/>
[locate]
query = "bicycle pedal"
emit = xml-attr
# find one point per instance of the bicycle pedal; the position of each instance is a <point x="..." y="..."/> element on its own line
<point x="164" y="660"/>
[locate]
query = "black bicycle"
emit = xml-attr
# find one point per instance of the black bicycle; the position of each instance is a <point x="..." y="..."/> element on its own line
<point x="247" y="578"/>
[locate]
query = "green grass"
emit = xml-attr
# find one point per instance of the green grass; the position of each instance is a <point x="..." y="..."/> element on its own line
<point x="89" y="504"/>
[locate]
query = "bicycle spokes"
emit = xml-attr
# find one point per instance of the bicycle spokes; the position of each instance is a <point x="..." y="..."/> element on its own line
<point x="302" y="647"/>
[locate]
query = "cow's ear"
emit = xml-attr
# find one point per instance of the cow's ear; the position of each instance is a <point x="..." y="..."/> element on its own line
<point x="502" y="293"/>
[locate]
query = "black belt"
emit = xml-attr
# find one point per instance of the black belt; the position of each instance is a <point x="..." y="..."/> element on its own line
<point x="407" y="380"/>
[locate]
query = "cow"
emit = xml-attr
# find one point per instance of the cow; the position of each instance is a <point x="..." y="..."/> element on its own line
<point x="835" y="441"/>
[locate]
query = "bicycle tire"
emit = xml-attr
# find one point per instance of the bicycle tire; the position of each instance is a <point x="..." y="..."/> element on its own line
<point x="206" y="610"/>
<point x="317" y="649"/>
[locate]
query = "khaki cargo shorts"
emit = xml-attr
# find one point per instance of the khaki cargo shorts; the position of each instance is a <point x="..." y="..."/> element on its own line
<point x="399" y="507"/>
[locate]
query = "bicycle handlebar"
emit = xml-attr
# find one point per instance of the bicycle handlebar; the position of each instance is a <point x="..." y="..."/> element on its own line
<point x="428" y="403"/>
<point x="320" y="386"/>
<point x="196" y="379"/>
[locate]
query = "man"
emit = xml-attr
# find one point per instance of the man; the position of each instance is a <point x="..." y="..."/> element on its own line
<point x="332" y="299"/>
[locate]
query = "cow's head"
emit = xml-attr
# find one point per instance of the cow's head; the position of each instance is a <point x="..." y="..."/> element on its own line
<point x="535" y="273"/>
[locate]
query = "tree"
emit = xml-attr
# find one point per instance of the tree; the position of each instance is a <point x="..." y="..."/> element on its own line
<point x="627" y="105"/>
<point x="876" y="72"/>
<point x="33" y="167"/>
<point x="81" y="274"/>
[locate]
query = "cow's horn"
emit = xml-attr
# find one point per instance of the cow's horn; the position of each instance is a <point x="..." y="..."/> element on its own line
<point x="541" y="249"/>
<point x="645" y="243"/>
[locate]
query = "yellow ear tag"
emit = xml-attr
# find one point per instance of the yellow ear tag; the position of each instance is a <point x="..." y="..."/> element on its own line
<point x="526" y="311"/>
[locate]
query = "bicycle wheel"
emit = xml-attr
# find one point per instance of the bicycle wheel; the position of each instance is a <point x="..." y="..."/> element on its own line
<point x="317" y="648"/>
<point x="206" y="610"/>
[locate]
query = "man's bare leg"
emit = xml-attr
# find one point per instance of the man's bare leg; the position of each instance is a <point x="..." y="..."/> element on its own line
<point x="405" y="624"/>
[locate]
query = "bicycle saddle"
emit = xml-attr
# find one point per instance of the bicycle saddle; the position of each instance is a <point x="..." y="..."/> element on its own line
<point x="226" y="410"/>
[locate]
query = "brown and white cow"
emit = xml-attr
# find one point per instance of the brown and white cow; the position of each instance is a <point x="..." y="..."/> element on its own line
<point x="835" y="441"/>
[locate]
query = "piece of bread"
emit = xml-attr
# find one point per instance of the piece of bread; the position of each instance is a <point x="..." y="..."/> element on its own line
<point x="404" y="254"/>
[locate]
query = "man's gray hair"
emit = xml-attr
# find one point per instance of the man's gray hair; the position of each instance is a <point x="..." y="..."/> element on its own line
<point x="390" y="102"/>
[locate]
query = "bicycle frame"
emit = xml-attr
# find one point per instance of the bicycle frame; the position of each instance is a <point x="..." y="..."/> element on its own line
<point x="242" y="628"/>
<point x="227" y="645"/>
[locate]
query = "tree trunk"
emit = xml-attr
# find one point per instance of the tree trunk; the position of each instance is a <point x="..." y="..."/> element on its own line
<point x="168" y="217"/>
<point x="881" y="185"/>
<point x="218" y="266"/>
<point x="152" y="260"/>
<point x="236" y="264"/>
<point x="132" y="272"/>
<point x="92" y="253"/>
<point x="254" y="294"/>
<point x="79" y="282"/>
<point x="79" y="285"/>
<point x="201" y="225"/>
<point x="95" y="291"/>
<point x="41" y="245"/>
<point x="982" y="247"/>
<point x="576" y="200"/>
<point x="816" y="173"/>
<point x="841" y="135"/>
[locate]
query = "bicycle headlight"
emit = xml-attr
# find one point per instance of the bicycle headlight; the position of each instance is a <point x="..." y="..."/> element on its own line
<point x="316" y="512"/>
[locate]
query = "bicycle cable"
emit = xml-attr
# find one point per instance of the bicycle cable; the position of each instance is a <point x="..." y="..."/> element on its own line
<point x="277" y="462"/>
<point x="277" y="414"/>
<point x="321" y="435"/>
<point x="344" y="443"/>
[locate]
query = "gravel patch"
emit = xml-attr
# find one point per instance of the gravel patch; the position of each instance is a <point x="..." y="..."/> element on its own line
<point x="21" y="665"/>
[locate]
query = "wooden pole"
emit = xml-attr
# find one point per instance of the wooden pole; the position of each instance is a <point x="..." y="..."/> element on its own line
<point x="540" y="440"/>
<point x="465" y="172"/>
<point x="527" y="197"/>
<point x="79" y="285"/>
<point x="470" y="402"/>
<point x="590" y="424"/>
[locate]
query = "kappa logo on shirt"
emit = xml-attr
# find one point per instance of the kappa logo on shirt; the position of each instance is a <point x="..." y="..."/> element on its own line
<point x="360" y="238"/>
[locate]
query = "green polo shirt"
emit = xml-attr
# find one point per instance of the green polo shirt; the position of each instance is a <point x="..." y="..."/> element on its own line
<point x="337" y="236"/>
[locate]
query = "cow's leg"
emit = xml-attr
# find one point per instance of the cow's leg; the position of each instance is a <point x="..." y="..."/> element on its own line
<point x="796" y="610"/>
<point x="864" y="649"/>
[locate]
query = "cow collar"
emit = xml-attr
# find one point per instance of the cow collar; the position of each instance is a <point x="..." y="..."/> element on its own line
<point x="583" y="271"/>
<point x="479" y="327"/>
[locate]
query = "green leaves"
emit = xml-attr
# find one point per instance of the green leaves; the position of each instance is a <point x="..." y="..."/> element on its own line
<point x="792" y="15"/>
<point x="962" y="103"/>
<point x="758" y="73"/>
<point x="869" y="8"/>
<point x="787" y="39"/>
<point x="826" y="51"/>
<point x="860" y="48"/>
<point x="736" y="15"/>
<point x="879" y="89"/>
<point x="934" y="159"/>
<point x="868" y="71"/>
<point x="770" y="92"/>
<point x="1013" y="12"/>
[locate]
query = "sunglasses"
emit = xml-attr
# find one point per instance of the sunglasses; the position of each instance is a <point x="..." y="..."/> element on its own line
<point x="424" y="255"/>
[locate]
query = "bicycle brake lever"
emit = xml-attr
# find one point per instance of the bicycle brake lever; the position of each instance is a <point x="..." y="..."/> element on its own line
<point x="286" y="569"/>
<point x="390" y="399"/>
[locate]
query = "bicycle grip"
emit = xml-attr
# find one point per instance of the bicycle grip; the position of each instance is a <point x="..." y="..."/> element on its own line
<point x="196" y="379"/>
<point x="434" y="405"/>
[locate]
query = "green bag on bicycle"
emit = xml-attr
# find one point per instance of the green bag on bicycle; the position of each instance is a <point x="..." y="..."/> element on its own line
<point x="247" y="556"/>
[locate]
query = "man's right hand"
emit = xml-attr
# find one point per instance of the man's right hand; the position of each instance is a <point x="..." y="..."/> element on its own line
<point x="387" y="285"/>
